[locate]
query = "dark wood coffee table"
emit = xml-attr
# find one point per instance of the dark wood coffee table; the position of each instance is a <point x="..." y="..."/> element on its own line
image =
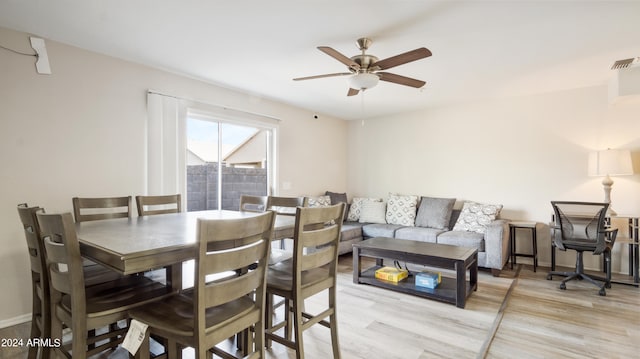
<point x="450" y="290"/>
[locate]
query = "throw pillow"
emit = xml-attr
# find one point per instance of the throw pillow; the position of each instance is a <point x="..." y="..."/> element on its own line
<point x="373" y="212"/>
<point x="435" y="212"/>
<point x="337" y="197"/>
<point x="475" y="217"/>
<point x="319" y="201"/>
<point x="401" y="210"/>
<point x="354" y="209"/>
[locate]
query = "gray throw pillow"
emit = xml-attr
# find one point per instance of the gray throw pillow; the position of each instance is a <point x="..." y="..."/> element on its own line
<point x="337" y="197"/>
<point x="435" y="212"/>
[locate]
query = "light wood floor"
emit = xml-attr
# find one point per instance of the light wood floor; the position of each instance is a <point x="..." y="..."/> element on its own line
<point x="518" y="315"/>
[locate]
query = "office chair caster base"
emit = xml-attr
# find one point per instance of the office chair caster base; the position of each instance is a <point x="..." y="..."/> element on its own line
<point x="563" y="286"/>
<point x="602" y="292"/>
<point x="549" y="277"/>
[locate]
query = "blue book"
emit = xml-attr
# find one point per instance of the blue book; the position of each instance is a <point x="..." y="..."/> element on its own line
<point x="428" y="280"/>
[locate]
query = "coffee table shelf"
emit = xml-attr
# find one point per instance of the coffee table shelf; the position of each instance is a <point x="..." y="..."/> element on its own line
<point x="444" y="292"/>
<point x="450" y="290"/>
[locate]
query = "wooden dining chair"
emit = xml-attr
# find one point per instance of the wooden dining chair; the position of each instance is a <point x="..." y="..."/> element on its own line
<point x="216" y="310"/>
<point x="285" y="206"/>
<point x="152" y="205"/>
<point x="250" y="203"/>
<point x="312" y="270"/>
<point x="80" y="308"/>
<point x="93" y="209"/>
<point x="40" y="309"/>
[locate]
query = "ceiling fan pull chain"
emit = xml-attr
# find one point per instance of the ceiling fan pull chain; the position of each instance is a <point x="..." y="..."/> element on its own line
<point x="362" y="106"/>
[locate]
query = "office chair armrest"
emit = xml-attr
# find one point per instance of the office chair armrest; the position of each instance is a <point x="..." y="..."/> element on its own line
<point x="610" y="235"/>
<point x="556" y="237"/>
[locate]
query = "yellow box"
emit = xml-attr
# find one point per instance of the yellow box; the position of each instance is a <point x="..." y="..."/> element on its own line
<point x="391" y="274"/>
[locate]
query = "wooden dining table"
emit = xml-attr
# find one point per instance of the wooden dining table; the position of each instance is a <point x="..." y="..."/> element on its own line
<point x="134" y="245"/>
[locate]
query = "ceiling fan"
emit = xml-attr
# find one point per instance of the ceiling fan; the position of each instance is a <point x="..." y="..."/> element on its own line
<point x="365" y="69"/>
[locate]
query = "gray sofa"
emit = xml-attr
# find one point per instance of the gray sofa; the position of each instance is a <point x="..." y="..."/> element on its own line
<point x="492" y="245"/>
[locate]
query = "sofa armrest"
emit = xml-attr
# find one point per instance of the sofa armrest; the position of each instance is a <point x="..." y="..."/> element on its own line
<point x="496" y="244"/>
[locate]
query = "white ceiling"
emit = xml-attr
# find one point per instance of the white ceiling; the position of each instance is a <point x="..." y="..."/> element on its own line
<point x="481" y="49"/>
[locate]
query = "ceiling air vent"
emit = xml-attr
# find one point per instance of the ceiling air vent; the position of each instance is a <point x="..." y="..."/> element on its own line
<point x="625" y="84"/>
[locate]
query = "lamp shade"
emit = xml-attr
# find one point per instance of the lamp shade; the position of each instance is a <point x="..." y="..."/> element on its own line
<point x="363" y="81"/>
<point x="610" y="162"/>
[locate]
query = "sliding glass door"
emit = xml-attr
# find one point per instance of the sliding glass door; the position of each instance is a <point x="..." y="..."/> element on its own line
<point x="226" y="160"/>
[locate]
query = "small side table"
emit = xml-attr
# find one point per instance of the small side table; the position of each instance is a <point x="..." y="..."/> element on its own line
<point x="513" y="227"/>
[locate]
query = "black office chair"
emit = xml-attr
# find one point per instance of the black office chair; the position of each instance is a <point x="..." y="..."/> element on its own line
<point x="581" y="226"/>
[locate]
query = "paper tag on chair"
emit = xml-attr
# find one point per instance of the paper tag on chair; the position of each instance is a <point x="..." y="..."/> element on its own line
<point x="135" y="336"/>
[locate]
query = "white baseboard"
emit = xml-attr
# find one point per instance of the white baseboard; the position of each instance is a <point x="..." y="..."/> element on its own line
<point x="15" y="320"/>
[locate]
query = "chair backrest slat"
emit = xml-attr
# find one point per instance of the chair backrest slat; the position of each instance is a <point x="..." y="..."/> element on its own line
<point x="93" y="209"/>
<point x="250" y="203"/>
<point x="232" y="288"/>
<point x="286" y="206"/>
<point x="64" y="261"/>
<point x="35" y="245"/>
<point x="152" y="205"/>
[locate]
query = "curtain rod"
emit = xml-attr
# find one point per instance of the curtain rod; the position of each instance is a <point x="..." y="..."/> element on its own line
<point x="154" y="92"/>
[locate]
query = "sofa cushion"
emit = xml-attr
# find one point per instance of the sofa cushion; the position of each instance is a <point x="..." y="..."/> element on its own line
<point x="354" y="208"/>
<point x="351" y="230"/>
<point x="401" y="209"/>
<point x="462" y="239"/>
<point x="373" y="212"/>
<point x="435" y="212"/>
<point x="380" y="230"/>
<point x="421" y="234"/>
<point x="476" y="216"/>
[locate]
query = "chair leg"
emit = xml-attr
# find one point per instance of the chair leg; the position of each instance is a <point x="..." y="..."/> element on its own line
<point x="297" y="326"/>
<point x="36" y="312"/>
<point x="35" y="333"/>
<point x="258" y="339"/>
<point x="173" y="350"/>
<point x="287" y="318"/>
<point x="268" y="317"/>
<point x="144" y="350"/>
<point x="334" y="324"/>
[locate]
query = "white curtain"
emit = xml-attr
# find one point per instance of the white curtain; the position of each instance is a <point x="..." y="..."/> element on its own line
<point x="166" y="133"/>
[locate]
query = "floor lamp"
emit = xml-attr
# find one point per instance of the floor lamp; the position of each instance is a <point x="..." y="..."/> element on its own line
<point x="610" y="163"/>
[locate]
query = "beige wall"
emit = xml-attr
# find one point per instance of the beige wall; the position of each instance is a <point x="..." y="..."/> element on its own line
<point x="80" y="132"/>
<point x="520" y="152"/>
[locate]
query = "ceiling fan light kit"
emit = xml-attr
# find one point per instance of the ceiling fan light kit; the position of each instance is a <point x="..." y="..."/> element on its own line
<point x="363" y="68"/>
<point x="363" y="81"/>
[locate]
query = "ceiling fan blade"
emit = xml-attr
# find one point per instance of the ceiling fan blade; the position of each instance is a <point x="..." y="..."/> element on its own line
<point x="352" y="92"/>
<point x="340" y="57"/>
<point x="402" y="80"/>
<point x="409" y="56"/>
<point x="321" y="76"/>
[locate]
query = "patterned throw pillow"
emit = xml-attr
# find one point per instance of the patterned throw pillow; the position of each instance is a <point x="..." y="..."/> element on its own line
<point x="372" y="212"/>
<point x="320" y="201"/>
<point x="354" y="209"/>
<point x="475" y="217"/>
<point x="401" y="210"/>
